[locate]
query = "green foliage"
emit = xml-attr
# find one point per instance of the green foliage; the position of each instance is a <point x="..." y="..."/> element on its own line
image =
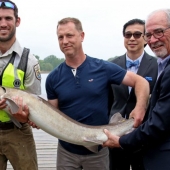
<point x="53" y="60"/>
<point x="47" y="67"/>
<point x="49" y="63"/>
<point x="37" y="57"/>
<point x="110" y="59"/>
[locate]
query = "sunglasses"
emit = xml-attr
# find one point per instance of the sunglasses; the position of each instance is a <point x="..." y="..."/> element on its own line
<point x="7" y="4"/>
<point x="136" y="35"/>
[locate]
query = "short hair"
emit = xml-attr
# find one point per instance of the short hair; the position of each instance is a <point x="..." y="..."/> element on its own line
<point x="76" y="22"/>
<point x="15" y="7"/>
<point x="132" y="22"/>
<point x="166" y="11"/>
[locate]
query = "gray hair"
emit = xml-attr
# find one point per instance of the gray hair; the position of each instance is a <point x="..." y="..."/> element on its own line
<point x="166" y="11"/>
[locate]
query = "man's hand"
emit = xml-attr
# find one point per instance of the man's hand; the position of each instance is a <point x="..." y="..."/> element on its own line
<point x="32" y="124"/>
<point x="113" y="140"/>
<point x="3" y="104"/>
<point x="142" y="90"/>
<point x="23" y="111"/>
<point x="138" y="115"/>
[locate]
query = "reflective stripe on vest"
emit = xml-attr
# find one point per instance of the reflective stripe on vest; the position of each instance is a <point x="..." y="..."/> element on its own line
<point x="14" y="77"/>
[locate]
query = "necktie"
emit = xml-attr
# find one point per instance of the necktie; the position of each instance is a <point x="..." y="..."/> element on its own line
<point x="130" y="64"/>
<point x="160" y="69"/>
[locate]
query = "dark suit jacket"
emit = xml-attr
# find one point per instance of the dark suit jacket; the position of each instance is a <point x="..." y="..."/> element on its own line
<point x="123" y="101"/>
<point x="154" y="134"/>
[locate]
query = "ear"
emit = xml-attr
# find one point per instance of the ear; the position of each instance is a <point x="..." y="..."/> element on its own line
<point x="82" y="36"/>
<point x="18" y="20"/>
<point x="145" y="44"/>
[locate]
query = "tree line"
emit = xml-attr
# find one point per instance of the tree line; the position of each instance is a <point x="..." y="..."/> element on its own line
<point x="51" y="61"/>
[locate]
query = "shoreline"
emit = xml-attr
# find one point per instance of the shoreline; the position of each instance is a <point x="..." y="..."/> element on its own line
<point x="44" y="72"/>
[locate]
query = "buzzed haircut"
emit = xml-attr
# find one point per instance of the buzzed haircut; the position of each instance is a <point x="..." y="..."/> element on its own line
<point x="76" y="22"/>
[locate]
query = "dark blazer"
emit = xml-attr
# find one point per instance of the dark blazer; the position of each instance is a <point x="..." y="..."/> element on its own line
<point x="123" y="101"/>
<point x="154" y="134"/>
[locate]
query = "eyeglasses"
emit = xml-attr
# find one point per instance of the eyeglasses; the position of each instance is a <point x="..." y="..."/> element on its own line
<point x="136" y="35"/>
<point x="7" y="4"/>
<point x="158" y="33"/>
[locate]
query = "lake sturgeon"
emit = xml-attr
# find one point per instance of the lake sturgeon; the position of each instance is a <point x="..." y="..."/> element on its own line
<point x="59" y="125"/>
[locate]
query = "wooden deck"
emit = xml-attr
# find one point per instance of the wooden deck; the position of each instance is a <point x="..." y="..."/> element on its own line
<point x="46" y="146"/>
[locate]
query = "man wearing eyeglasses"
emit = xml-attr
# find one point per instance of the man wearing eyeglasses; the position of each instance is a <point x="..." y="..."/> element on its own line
<point x="18" y="69"/>
<point x="153" y="136"/>
<point x="139" y="62"/>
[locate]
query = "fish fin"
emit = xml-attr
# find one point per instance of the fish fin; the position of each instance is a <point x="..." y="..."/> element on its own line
<point x="93" y="149"/>
<point x="13" y="107"/>
<point x="93" y="140"/>
<point x="116" y="119"/>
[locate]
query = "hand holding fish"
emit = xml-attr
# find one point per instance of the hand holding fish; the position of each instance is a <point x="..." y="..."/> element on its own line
<point x="23" y="111"/>
<point x="33" y="124"/>
<point x="138" y="114"/>
<point x="2" y="103"/>
<point x="113" y="140"/>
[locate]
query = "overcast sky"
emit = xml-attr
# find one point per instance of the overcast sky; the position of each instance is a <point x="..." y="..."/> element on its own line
<point x="102" y="22"/>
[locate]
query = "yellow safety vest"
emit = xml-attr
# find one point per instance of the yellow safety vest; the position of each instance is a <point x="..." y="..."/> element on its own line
<point x="13" y="77"/>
